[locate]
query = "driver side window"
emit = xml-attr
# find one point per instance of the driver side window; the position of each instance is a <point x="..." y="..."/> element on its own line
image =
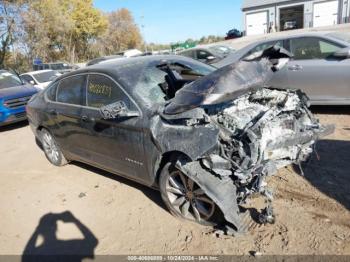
<point x="102" y="91"/>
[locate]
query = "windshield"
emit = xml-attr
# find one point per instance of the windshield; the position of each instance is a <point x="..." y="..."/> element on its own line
<point x="221" y="51"/>
<point x="149" y="81"/>
<point x="8" y="79"/>
<point x="341" y="36"/>
<point x="46" y="76"/>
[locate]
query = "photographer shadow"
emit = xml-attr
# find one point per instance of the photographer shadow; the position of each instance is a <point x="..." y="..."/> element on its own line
<point x="44" y="245"/>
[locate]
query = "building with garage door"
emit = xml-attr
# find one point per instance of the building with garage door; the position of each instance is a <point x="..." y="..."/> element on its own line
<point x="264" y="16"/>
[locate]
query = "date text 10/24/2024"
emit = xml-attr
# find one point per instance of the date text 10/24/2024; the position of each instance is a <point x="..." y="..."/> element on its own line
<point x="172" y="258"/>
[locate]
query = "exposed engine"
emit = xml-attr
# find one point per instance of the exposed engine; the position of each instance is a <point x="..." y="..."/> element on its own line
<point x="261" y="132"/>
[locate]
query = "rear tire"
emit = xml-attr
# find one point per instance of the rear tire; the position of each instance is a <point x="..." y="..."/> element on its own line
<point x="185" y="199"/>
<point x="51" y="149"/>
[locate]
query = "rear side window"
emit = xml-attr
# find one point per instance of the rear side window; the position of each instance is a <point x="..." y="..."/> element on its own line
<point x="102" y="91"/>
<point x="312" y="48"/>
<point x="71" y="90"/>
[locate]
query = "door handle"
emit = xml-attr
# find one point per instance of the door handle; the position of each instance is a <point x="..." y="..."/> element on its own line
<point x="295" y="68"/>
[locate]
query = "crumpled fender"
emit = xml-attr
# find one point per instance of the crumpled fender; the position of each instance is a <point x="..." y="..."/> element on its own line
<point x="221" y="191"/>
<point x="164" y="134"/>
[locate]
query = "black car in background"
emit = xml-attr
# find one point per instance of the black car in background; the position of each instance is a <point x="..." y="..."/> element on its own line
<point x="233" y="33"/>
<point x="205" y="138"/>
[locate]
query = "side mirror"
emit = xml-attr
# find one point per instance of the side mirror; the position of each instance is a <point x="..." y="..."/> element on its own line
<point x="343" y="53"/>
<point x="117" y="110"/>
<point x="32" y="82"/>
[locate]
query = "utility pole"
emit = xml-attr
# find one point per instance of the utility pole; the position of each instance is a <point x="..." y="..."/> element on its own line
<point x="143" y="33"/>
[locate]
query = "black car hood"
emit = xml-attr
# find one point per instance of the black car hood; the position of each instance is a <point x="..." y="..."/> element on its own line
<point x="229" y="82"/>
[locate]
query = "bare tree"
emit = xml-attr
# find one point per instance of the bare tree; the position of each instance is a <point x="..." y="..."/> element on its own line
<point x="9" y="11"/>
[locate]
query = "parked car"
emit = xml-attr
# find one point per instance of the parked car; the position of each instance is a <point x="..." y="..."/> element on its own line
<point x="40" y="79"/>
<point x="14" y="95"/>
<point x="205" y="138"/>
<point x="213" y="55"/>
<point x="61" y="67"/>
<point x="290" y="25"/>
<point x="320" y="66"/>
<point x="232" y="34"/>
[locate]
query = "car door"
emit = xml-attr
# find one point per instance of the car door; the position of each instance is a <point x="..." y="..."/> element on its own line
<point x="322" y="77"/>
<point x="67" y="111"/>
<point x="113" y="144"/>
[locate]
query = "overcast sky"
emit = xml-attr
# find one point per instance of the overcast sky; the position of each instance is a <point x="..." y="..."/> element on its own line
<point x="168" y="21"/>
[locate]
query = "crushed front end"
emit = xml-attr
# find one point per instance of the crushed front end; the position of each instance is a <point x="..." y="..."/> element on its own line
<point x="259" y="130"/>
<point x="260" y="133"/>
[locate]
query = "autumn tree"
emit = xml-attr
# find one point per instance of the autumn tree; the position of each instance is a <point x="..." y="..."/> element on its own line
<point x="122" y="33"/>
<point x="61" y="29"/>
<point x="70" y="30"/>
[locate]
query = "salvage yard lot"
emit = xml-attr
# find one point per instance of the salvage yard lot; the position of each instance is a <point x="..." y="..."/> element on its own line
<point x="313" y="212"/>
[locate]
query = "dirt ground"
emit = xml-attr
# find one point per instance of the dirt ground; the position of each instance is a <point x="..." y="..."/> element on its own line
<point x="116" y="216"/>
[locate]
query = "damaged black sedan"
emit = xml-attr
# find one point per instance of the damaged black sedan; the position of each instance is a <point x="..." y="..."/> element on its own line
<point x="206" y="139"/>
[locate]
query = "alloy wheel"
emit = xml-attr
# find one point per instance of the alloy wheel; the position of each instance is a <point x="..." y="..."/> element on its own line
<point x="50" y="147"/>
<point x="188" y="199"/>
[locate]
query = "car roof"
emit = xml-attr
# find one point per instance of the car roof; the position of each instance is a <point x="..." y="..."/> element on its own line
<point x="110" y="65"/>
<point x="296" y="35"/>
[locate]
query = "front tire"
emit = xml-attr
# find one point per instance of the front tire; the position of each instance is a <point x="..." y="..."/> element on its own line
<point x="52" y="151"/>
<point x="185" y="199"/>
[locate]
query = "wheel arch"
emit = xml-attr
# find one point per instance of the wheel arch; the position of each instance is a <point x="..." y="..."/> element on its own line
<point x="167" y="157"/>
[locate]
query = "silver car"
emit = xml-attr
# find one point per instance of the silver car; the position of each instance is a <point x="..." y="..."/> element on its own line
<point x="320" y="66"/>
<point x="214" y="55"/>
